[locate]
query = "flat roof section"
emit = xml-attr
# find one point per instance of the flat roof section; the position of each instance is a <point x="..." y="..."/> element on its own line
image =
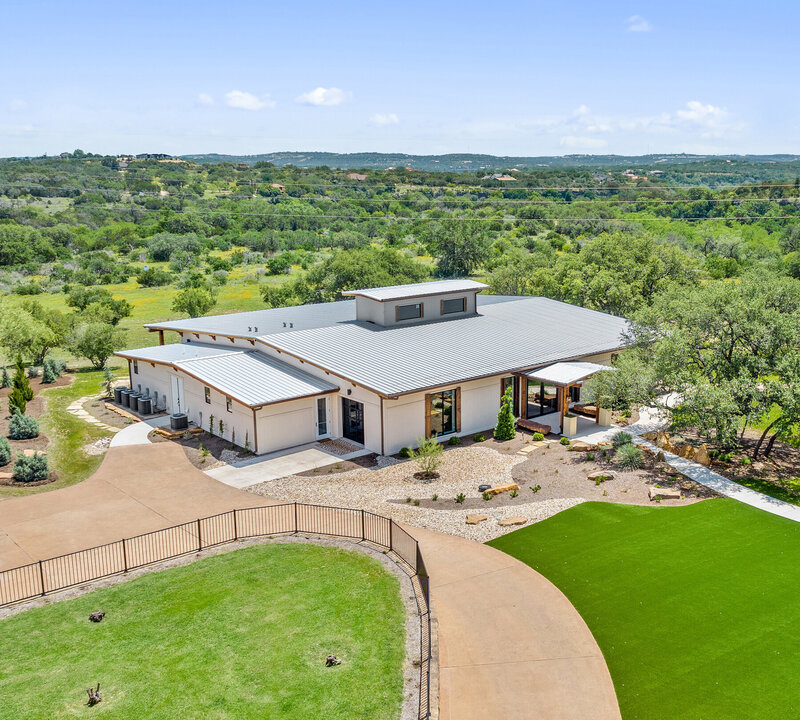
<point x="436" y="287"/>
<point x="566" y="373"/>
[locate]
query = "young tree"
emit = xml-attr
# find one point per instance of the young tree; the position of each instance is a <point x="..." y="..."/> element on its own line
<point x="428" y="456"/>
<point x="22" y="392"/>
<point x="26" y="337"/>
<point x="107" y="383"/>
<point x="97" y="341"/>
<point x="5" y="380"/>
<point x="506" y="428"/>
<point x="48" y="374"/>
<point x="195" y="302"/>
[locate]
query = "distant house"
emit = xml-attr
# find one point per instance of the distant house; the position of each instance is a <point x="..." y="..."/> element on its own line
<point x="356" y="176"/>
<point x="389" y="366"/>
<point x="502" y="177"/>
<point x="278" y="186"/>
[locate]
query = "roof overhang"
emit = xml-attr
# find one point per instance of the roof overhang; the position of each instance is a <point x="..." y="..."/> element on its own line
<point x="566" y="373"/>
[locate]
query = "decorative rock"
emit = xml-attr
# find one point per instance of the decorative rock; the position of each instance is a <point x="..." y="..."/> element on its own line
<point x="580" y="446"/>
<point x="229" y="456"/>
<point x="484" y="488"/>
<point x="687" y="486"/>
<point x="332" y="660"/>
<point x="686" y="451"/>
<point x="665" y="493"/>
<point x="513" y="521"/>
<point x="701" y="455"/>
<point x="474" y="519"/>
<point x="497" y="489"/>
<point x="660" y="456"/>
<point x="97" y="616"/>
<point x="662" y="440"/>
<point x="6" y="475"/>
<point x="30" y="452"/>
<point x="602" y="475"/>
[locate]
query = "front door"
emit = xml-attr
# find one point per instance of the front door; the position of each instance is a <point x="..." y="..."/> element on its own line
<point x="353" y="420"/>
<point x="177" y="395"/>
<point x="322" y="418"/>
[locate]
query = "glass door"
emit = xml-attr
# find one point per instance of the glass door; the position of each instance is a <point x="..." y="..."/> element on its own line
<point x="322" y="418"/>
<point x="353" y="420"/>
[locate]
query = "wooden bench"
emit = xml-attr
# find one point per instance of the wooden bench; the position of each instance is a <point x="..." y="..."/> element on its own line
<point x="533" y="426"/>
<point x="588" y="410"/>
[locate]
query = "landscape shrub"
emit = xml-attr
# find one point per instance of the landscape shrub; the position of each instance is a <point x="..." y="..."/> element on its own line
<point x="506" y="428"/>
<point x="428" y="456"/>
<point x="405" y="452"/>
<point x="538" y="437"/>
<point x="621" y="438"/>
<point x="22" y="427"/>
<point x="455" y="440"/>
<point x="480" y="437"/>
<point x="5" y="451"/>
<point x="31" y="469"/>
<point x="487" y="495"/>
<point x="33" y="371"/>
<point x="460" y="498"/>
<point x="630" y="457"/>
<point x="5" y="380"/>
<point x="565" y="441"/>
<point x="48" y="374"/>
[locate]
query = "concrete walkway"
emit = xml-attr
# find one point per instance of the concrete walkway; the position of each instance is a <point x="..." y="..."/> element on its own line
<point x="279" y="464"/>
<point x="136" y="433"/>
<point x="705" y="476"/>
<point x="511" y="645"/>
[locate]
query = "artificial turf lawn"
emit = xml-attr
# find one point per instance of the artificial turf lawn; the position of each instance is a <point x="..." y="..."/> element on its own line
<point x="695" y="608"/>
<point x="238" y="635"/>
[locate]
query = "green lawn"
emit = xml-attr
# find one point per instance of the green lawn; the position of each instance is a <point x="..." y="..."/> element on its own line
<point x="788" y="490"/>
<point x="68" y="435"/>
<point x="239" y="635"/>
<point x="695" y="608"/>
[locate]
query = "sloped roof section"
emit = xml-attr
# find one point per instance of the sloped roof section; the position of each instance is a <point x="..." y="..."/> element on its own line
<point x="566" y="373"/>
<point x="255" y="379"/>
<point x="248" y="376"/>
<point x="518" y="335"/>
<point x="398" y="292"/>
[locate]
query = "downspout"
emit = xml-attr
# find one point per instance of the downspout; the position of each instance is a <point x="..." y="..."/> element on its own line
<point x="255" y="433"/>
<point x="383" y="448"/>
<point x="130" y="376"/>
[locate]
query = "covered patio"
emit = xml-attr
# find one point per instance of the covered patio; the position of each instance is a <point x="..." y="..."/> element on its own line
<point x="551" y="396"/>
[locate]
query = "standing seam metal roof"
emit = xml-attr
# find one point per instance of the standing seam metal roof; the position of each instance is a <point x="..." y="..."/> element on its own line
<point x="436" y="287"/>
<point x="512" y="335"/>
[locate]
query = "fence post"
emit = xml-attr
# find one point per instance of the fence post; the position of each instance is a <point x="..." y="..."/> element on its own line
<point x="363" y="536"/>
<point x="199" y="536"/>
<point x="124" y="555"/>
<point x="296" y="529"/>
<point x="41" y="576"/>
<point x="235" y="526"/>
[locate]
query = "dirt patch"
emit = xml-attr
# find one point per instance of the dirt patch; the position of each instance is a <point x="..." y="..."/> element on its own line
<point x="203" y="450"/>
<point x="364" y="461"/>
<point x="96" y="407"/>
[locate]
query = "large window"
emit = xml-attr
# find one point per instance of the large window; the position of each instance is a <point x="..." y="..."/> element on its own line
<point x="136" y="367"/>
<point x="456" y="305"/>
<point x="207" y="392"/>
<point x="408" y="312"/>
<point x="542" y="399"/>
<point x="443" y="413"/>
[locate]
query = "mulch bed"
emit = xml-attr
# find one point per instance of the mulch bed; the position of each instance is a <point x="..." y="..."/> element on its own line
<point x="191" y="447"/>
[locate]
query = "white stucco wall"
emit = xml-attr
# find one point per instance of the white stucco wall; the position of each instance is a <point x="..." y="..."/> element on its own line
<point x="384" y="313"/>
<point x="153" y="379"/>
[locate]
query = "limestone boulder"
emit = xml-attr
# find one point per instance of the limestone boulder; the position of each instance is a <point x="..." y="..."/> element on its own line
<point x="662" y="440"/>
<point x="660" y="456"/>
<point x="701" y="455"/>
<point x="474" y="518"/>
<point x="580" y="446"/>
<point x="665" y="493"/>
<point x="498" y="489"/>
<point x="602" y="475"/>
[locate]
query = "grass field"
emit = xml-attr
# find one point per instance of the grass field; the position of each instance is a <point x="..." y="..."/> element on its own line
<point x="68" y="434"/>
<point x="695" y="608"/>
<point x="239" y="635"/>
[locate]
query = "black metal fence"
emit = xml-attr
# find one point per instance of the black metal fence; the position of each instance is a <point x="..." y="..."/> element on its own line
<point x="65" y="571"/>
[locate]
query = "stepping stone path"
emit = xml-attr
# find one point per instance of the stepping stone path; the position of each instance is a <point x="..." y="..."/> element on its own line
<point x="473" y="519"/>
<point x="513" y="521"/>
<point x="29" y="452"/>
<point x="76" y="408"/>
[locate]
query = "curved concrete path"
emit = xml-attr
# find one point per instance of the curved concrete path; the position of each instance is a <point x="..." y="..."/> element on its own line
<point x="511" y="646"/>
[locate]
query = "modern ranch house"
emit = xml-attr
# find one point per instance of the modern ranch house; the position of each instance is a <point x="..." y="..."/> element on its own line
<point x="382" y="370"/>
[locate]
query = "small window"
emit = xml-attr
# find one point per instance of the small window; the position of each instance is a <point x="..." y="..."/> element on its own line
<point x="136" y="367"/>
<point x="208" y="395"/>
<point x="456" y="305"/>
<point x="408" y="312"/>
<point x="229" y="404"/>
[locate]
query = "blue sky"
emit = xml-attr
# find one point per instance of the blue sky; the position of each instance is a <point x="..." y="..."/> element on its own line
<point x="511" y="77"/>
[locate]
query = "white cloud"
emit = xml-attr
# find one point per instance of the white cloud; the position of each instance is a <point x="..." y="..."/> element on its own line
<point x="248" y="101"/>
<point x="383" y="119"/>
<point x="636" y="23"/>
<point x="323" y="96"/>
<point x="700" y="114"/>
<point x="582" y="143"/>
<point x="17" y="104"/>
<point x="205" y="99"/>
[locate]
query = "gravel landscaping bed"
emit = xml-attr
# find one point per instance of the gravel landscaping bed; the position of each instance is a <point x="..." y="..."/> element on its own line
<point x="550" y="480"/>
